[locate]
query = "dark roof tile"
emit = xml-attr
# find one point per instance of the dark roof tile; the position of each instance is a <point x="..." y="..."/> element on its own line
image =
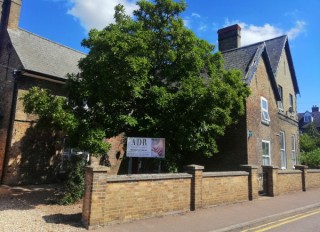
<point x="243" y="58"/>
<point x="44" y="56"/>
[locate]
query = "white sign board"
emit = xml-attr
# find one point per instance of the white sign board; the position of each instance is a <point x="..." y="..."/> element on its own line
<point x="145" y="147"/>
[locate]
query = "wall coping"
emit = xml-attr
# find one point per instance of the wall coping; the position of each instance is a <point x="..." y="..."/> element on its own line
<point x="220" y="174"/>
<point x="99" y="168"/>
<point x="289" y="172"/>
<point x="269" y="167"/>
<point x="249" y="166"/>
<point x="313" y="170"/>
<point x="141" y="177"/>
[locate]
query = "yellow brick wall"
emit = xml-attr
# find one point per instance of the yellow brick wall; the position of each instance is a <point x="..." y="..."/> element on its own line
<point x="146" y="198"/>
<point x="313" y="179"/>
<point x="289" y="181"/>
<point x="224" y="189"/>
<point x="112" y="199"/>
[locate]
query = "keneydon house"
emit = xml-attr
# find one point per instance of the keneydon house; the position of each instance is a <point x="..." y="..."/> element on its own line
<point x="268" y="133"/>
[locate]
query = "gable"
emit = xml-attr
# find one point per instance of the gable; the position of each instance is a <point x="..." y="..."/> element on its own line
<point x="246" y="59"/>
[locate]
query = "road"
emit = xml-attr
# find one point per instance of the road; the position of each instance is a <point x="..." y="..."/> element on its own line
<point x="301" y="222"/>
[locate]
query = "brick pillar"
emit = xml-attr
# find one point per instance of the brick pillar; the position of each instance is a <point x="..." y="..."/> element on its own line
<point x="196" y="185"/>
<point x="272" y="180"/>
<point x="253" y="181"/>
<point x="304" y="175"/>
<point x="94" y="196"/>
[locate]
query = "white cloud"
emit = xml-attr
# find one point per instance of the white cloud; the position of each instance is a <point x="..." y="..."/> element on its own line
<point x="97" y="13"/>
<point x="251" y="33"/>
<point x="196" y="15"/>
<point x="203" y="27"/>
<point x="187" y="23"/>
<point x="298" y="29"/>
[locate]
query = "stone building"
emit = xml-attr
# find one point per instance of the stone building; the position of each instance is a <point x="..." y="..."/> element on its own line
<point x="268" y="133"/>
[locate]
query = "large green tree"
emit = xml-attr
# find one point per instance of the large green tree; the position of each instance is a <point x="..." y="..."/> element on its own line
<point x="151" y="76"/>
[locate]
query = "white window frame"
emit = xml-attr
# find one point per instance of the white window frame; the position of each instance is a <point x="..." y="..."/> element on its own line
<point x="293" y="150"/>
<point x="266" y="156"/>
<point x="264" y="111"/>
<point x="283" y="155"/>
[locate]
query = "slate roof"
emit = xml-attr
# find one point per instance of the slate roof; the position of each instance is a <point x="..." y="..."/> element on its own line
<point x="246" y="58"/>
<point x="40" y="55"/>
<point x="315" y="116"/>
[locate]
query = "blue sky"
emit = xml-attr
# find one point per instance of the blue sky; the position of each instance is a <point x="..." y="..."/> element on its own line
<point x="68" y="22"/>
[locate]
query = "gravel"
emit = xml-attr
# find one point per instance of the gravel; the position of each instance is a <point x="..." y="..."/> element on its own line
<point x="28" y="208"/>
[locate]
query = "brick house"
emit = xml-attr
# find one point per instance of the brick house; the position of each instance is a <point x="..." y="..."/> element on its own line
<point x="27" y="155"/>
<point x="268" y="132"/>
<point x="306" y="118"/>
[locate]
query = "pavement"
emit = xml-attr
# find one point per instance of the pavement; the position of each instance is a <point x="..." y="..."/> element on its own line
<point x="223" y="218"/>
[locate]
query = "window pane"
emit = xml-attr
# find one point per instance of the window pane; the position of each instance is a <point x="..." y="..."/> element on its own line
<point x="265" y="116"/>
<point x="291" y="99"/>
<point x="294" y="158"/>
<point x="264" y="104"/>
<point x="266" y="161"/>
<point x="282" y="140"/>
<point x="293" y="143"/>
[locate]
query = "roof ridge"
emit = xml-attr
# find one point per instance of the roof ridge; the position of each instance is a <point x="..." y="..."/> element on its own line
<point x="51" y="41"/>
<point x="255" y="44"/>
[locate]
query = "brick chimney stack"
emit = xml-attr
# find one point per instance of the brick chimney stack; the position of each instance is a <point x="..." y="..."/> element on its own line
<point x="10" y="14"/>
<point x="229" y="37"/>
<point x="315" y="109"/>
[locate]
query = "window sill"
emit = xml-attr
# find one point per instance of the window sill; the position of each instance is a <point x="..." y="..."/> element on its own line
<point x="267" y="123"/>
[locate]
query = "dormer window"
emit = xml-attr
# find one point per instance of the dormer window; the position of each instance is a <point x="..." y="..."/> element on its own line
<point x="265" y="118"/>
<point x="307" y="118"/>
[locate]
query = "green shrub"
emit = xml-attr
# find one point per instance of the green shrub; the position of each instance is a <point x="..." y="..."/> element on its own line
<point x="74" y="184"/>
<point x="311" y="159"/>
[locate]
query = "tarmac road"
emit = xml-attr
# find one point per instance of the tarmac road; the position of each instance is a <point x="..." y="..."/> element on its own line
<point x="301" y="222"/>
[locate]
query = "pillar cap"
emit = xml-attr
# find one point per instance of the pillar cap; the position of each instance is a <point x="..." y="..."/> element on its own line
<point x="301" y="167"/>
<point x="193" y="167"/>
